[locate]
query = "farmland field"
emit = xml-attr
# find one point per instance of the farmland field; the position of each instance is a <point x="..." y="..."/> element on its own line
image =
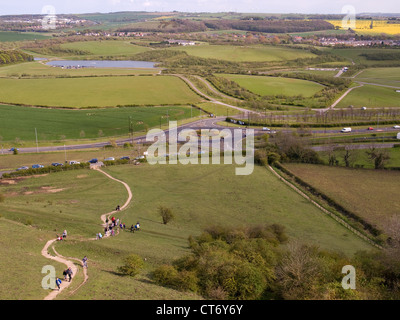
<point x="37" y="69"/>
<point x="371" y="194"/>
<point x="80" y="197"/>
<point x="52" y="124"/>
<point x="378" y="26"/>
<point x="354" y="54"/>
<point x="106" y="48"/>
<point x="20" y="36"/>
<point x="385" y="76"/>
<point x="97" y="92"/>
<point x="275" y="85"/>
<point x="371" y="96"/>
<point x="248" y="53"/>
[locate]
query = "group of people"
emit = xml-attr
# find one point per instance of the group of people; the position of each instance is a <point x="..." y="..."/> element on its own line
<point x="67" y="273"/>
<point x="135" y="227"/>
<point x="63" y="236"/>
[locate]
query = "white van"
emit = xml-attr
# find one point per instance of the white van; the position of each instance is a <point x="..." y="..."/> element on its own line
<point x="74" y="162"/>
<point x="346" y="130"/>
<point x="398" y="136"/>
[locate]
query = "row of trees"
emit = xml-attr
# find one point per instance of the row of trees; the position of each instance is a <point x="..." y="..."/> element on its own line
<point x="14" y="56"/>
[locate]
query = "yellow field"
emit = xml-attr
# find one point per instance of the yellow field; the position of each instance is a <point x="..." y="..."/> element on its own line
<point x="379" y="26"/>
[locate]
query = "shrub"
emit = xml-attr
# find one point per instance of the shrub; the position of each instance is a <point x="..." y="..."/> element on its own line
<point x="2" y="197"/>
<point x="166" y="214"/>
<point x="133" y="265"/>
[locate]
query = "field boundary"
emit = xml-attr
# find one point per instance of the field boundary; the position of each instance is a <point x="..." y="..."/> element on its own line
<point x="329" y="213"/>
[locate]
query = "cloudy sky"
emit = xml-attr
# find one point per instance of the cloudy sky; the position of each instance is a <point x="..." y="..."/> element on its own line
<point x="248" y="6"/>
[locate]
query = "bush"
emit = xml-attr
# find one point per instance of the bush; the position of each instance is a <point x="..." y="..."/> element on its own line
<point x="166" y="214"/>
<point x="133" y="265"/>
<point x="2" y="197"/>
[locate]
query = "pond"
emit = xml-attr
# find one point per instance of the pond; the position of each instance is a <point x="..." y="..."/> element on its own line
<point x="78" y="64"/>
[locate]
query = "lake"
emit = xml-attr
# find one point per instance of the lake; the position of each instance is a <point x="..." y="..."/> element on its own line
<point x="77" y="64"/>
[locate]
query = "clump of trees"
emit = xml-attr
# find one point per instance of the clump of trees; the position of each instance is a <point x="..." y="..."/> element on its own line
<point x="13" y="56"/>
<point x="260" y="263"/>
<point x="166" y="214"/>
<point x="133" y="264"/>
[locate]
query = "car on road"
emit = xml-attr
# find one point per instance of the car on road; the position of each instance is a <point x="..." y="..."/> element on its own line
<point x="266" y="129"/>
<point x="110" y="159"/>
<point x="93" y="160"/>
<point x="370" y="128"/>
<point x="22" y="168"/>
<point x="12" y="149"/>
<point x="344" y="130"/>
<point x="37" y="166"/>
<point x="396" y="127"/>
<point x="125" y="158"/>
<point x="57" y="164"/>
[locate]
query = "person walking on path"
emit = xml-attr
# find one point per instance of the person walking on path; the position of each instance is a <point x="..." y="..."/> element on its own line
<point x="58" y="283"/>
<point x="84" y="261"/>
<point x="69" y="273"/>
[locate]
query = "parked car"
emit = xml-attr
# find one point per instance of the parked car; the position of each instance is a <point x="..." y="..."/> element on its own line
<point x="345" y="130"/>
<point x="37" y="166"/>
<point x="396" y="127"/>
<point x="57" y="164"/>
<point x="370" y="128"/>
<point x="22" y="168"/>
<point x="93" y="160"/>
<point x="125" y="158"/>
<point x="109" y="159"/>
<point x="74" y="162"/>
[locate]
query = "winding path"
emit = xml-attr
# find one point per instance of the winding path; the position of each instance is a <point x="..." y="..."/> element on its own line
<point x="67" y="260"/>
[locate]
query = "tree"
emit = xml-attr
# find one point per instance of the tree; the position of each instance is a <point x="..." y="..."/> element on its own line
<point x="349" y="156"/>
<point x="133" y="265"/>
<point x="379" y="156"/>
<point x="166" y="214"/>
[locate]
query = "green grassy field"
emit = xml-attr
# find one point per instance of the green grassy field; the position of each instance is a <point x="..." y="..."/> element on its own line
<point x="97" y="92"/>
<point x="36" y="69"/>
<point x="385" y="76"/>
<point x="371" y="194"/>
<point x="59" y="124"/>
<point x="265" y="86"/>
<point x="354" y="54"/>
<point x="106" y="48"/>
<point x="371" y="96"/>
<point x="248" y="53"/>
<point x="6" y="36"/>
<point x="75" y="200"/>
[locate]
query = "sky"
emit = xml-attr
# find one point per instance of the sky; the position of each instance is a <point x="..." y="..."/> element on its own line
<point x="246" y="6"/>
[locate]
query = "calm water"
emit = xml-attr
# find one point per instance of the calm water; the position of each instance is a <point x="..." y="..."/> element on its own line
<point x="101" y="64"/>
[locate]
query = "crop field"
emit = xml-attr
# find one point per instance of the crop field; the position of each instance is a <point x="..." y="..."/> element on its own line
<point x="106" y="48"/>
<point x="355" y="55"/>
<point x="385" y="76"/>
<point x="371" y="194"/>
<point x="75" y="200"/>
<point x="371" y="96"/>
<point x="97" y="92"/>
<point x="245" y="53"/>
<point x="59" y="124"/>
<point x="36" y="69"/>
<point x="6" y="36"/>
<point x="265" y="86"/>
<point x="378" y="26"/>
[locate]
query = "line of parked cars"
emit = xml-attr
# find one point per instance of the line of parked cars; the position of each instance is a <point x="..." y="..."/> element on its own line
<point x="73" y="162"/>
